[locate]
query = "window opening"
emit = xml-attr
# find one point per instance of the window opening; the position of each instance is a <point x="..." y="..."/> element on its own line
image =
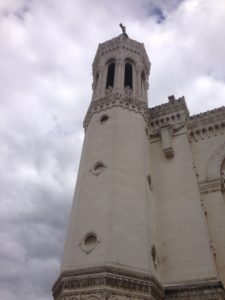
<point x="104" y="118"/>
<point x="110" y="75"/>
<point x="149" y="178"/>
<point x="128" y="77"/>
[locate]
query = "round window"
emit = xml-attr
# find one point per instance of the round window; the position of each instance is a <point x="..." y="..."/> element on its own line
<point x="89" y="242"/>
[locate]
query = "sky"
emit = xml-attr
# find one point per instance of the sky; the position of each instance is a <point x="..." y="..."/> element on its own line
<point x="46" y="52"/>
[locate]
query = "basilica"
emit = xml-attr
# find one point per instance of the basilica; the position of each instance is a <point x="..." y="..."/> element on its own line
<point x="148" y="216"/>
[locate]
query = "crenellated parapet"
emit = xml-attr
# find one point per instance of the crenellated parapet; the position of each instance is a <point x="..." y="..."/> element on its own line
<point x="206" y="125"/>
<point x="175" y="113"/>
<point x="167" y="120"/>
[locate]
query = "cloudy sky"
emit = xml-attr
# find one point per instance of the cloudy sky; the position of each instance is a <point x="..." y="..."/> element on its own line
<point x="46" y="51"/>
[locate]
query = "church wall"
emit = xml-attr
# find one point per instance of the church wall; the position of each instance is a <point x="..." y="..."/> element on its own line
<point x="208" y="154"/>
<point x="214" y="204"/>
<point x="182" y="237"/>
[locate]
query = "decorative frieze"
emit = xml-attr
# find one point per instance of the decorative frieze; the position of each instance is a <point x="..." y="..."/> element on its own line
<point x="196" y="291"/>
<point x="116" y="100"/>
<point x="116" y="281"/>
<point x="201" y="133"/>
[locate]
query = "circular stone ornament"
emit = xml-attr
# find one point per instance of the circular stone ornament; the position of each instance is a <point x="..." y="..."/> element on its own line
<point x="89" y="242"/>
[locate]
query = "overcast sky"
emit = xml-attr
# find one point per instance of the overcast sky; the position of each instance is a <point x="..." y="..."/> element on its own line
<point x="46" y="51"/>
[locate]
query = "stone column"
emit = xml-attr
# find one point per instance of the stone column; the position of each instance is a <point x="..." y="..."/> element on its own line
<point x="139" y="90"/>
<point x="118" y="80"/>
<point x="104" y="70"/>
<point x="97" y="84"/>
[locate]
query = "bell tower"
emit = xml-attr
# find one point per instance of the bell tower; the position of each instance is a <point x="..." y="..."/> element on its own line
<point x="110" y="249"/>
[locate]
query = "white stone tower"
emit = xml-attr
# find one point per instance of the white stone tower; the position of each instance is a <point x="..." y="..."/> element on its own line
<point x="147" y="220"/>
<point x="110" y="245"/>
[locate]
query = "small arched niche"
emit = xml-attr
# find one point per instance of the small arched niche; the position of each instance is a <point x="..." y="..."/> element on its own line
<point x="110" y="74"/>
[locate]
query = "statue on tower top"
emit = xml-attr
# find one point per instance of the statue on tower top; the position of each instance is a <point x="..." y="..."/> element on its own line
<point x="123" y="29"/>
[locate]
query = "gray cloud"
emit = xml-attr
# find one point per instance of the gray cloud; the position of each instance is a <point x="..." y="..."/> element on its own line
<point x="47" y="48"/>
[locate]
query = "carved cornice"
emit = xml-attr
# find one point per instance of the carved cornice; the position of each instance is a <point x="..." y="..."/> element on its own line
<point x="116" y="100"/>
<point x="122" y="281"/>
<point x="202" y="290"/>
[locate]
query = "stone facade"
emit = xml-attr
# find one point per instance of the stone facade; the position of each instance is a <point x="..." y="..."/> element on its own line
<point x="148" y="216"/>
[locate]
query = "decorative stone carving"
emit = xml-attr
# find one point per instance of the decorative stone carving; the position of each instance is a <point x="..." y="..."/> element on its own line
<point x="116" y="100"/>
<point x="89" y="242"/>
<point x="107" y="282"/>
<point x="128" y="90"/>
<point x="108" y="90"/>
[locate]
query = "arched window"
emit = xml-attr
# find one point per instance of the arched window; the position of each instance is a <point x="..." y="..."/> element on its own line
<point x="110" y="75"/>
<point x="128" y="76"/>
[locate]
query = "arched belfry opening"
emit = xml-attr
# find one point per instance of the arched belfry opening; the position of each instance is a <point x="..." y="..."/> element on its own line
<point x="110" y="75"/>
<point x="128" y="75"/>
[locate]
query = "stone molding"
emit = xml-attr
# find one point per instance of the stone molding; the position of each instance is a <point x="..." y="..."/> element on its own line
<point x="202" y="290"/>
<point x="205" y="132"/>
<point x="210" y="186"/>
<point x="116" y="100"/>
<point x="107" y="278"/>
